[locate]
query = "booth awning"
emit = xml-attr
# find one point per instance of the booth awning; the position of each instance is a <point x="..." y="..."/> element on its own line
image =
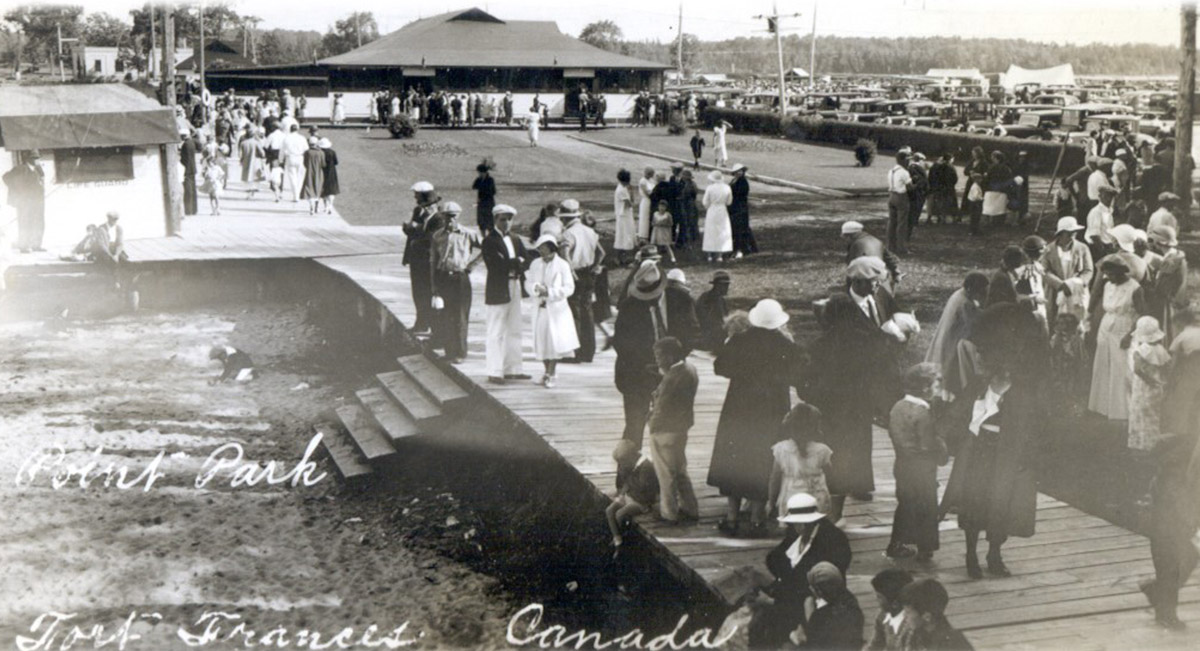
<point x="81" y="116"/>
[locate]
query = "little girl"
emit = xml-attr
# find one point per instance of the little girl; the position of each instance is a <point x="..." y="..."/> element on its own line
<point x="660" y="234"/>
<point x="276" y="179"/>
<point x="800" y="461"/>
<point x="1148" y="360"/>
<point x="1068" y="363"/>
<point x="214" y="181"/>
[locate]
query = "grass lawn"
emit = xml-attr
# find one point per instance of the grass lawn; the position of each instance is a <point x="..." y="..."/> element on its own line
<point x="798" y="233"/>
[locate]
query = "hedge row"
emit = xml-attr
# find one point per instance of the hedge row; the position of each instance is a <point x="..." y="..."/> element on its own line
<point x="932" y="142"/>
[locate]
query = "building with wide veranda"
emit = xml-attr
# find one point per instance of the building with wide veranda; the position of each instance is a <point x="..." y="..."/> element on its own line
<point x="463" y="51"/>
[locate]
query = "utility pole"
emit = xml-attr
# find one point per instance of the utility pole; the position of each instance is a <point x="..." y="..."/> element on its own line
<point x="202" y="86"/>
<point x="679" y="45"/>
<point x="358" y="27"/>
<point x="150" y="54"/>
<point x="1187" y="91"/>
<point x="812" y="52"/>
<point x="173" y="193"/>
<point x="774" y="26"/>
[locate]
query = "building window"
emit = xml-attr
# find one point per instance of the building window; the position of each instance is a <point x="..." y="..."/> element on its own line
<point x="96" y="67"/>
<point x="93" y="164"/>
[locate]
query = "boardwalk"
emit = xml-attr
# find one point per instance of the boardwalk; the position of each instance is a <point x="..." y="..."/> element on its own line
<point x="1074" y="583"/>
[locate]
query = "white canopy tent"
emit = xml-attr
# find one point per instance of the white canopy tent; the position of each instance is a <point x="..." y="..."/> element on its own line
<point x="1063" y="75"/>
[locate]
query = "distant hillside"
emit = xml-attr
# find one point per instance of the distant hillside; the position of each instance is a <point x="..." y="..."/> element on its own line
<point x="911" y="55"/>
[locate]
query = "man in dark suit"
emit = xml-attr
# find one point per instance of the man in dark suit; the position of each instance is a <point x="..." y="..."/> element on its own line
<point x="861" y="243"/>
<point x="601" y="106"/>
<point x="504" y="256"/>
<point x="417" y="246"/>
<point x="187" y="156"/>
<point x="27" y="194"/>
<point x="646" y="315"/>
<point x="810" y="539"/>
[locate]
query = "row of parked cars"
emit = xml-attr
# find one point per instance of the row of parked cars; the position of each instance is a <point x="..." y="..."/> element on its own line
<point x="1046" y="113"/>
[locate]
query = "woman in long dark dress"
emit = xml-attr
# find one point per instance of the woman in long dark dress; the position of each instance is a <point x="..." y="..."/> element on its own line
<point x="485" y="190"/>
<point x="761" y="366"/>
<point x="739" y="214"/>
<point x="331" y="188"/>
<point x="854" y="375"/>
<point x="997" y="420"/>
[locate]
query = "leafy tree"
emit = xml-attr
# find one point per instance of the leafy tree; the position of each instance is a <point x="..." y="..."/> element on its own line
<point x="355" y="30"/>
<point x="279" y="46"/>
<point x="39" y="26"/>
<point x="603" y="34"/>
<point x="105" y="30"/>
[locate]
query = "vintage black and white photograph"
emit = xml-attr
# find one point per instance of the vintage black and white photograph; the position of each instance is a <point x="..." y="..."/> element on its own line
<point x="638" y="324"/>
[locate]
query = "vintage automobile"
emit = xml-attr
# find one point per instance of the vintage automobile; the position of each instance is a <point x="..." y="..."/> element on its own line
<point x="1074" y="117"/>
<point x="1035" y="125"/>
<point x="861" y="109"/>
<point x="894" y="111"/>
<point x="1011" y="113"/>
<point x="926" y="114"/>
<point x="971" y="113"/>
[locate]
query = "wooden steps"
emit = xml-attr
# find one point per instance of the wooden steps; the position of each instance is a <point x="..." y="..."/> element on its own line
<point x="419" y="399"/>
<point x="368" y="436"/>
<point x="345" y="455"/>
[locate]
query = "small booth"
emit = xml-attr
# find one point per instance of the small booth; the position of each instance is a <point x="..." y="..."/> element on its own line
<point x="101" y="147"/>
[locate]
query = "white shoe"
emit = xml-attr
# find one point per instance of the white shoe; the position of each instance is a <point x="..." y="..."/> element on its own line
<point x="549" y="382"/>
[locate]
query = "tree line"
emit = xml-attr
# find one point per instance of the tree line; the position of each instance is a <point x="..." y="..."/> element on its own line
<point x="904" y="55"/>
<point x="29" y="34"/>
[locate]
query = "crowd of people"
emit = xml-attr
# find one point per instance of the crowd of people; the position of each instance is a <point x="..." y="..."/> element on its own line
<point x="1122" y="344"/>
<point x="265" y="137"/>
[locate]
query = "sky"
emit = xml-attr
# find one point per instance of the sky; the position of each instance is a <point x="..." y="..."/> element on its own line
<point x="1061" y="21"/>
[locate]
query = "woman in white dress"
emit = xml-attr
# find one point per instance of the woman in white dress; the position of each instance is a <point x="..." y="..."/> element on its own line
<point x="339" y="109"/>
<point x="645" y="187"/>
<point x="549" y="282"/>
<point x="534" y="126"/>
<point x="1122" y="303"/>
<point x="625" y="238"/>
<point x="718" y="234"/>
<point x="719" y="143"/>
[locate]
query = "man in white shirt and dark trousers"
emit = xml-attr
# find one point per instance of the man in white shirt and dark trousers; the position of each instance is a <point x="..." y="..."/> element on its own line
<point x="581" y="247"/>
<point x="899" y="184"/>
<point x="504" y="256"/>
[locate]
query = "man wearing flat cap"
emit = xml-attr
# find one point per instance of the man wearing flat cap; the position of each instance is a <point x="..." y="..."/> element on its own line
<point x="454" y="251"/>
<point x="505" y="257"/>
<point x="861" y="243"/>
<point x="417" y="246"/>
<point x="581" y="249"/>
<point x="864" y="278"/>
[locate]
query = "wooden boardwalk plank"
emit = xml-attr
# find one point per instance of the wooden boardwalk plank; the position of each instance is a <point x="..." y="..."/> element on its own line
<point x="1077" y="570"/>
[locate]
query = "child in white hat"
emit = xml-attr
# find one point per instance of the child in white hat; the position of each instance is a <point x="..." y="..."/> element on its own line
<point x="1148" y="361"/>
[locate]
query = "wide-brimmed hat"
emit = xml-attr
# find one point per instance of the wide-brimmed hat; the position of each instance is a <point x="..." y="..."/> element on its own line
<point x="768" y="314"/>
<point x="1147" y="330"/>
<point x="715" y="176"/>
<point x="720" y="277"/>
<point x="1125" y="235"/>
<point x="548" y="238"/>
<point x="503" y="209"/>
<point x="451" y="207"/>
<point x="422" y="186"/>
<point x="739" y="167"/>
<point x="648" y="282"/>
<point x="851" y="227"/>
<point x="568" y="208"/>
<point x="1163" y="235"/>
<point x="1067" y="224"/>
<point x="324" y="143"/>
<point x="801" y="509"/>
<point x="867" y="267"/>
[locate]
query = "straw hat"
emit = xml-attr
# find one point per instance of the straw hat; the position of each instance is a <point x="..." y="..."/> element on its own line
<point x="1163" y="235"/>
<point x="738" y="168"/>
<point x="324" y="143"/>
<point x="1147" y="331"/>
<point x="801" y="509"/>
<point x="648" y="282"/>
<point x="1125" y="235"/>
<point x="851" y="227"/>
<point x="768" y="314"/>
<point x="715" y="176"/>
<point x="1067" y="224"/>
<point x="568" y="208"/>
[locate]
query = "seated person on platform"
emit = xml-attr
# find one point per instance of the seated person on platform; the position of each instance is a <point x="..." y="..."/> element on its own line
<point x="833" y="620"/>
<point x="888" y="584"/>
<point x="235" y="364"/>
<point x="636" y="493"/>
<point x="104" y="243"/>
<point x="925" y="624"/>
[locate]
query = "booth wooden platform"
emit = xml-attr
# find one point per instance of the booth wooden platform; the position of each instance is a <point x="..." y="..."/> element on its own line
<point x="1074" y="584"/>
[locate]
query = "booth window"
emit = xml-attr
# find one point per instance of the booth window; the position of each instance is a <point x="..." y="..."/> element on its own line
<point x="93" y="164"/>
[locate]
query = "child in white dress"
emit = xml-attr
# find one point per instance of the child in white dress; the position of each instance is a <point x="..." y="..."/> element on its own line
<point x="800" y="461"/>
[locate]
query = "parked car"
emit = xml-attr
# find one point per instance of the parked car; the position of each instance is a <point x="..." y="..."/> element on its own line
<point x="1056" y="99"/>
<point x="1075" y="116"/>
<point x="861" y="109"/>
<point x="1034" y="125"/>
<point x="971" y="114"/>
<point x="926" y="114"/>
